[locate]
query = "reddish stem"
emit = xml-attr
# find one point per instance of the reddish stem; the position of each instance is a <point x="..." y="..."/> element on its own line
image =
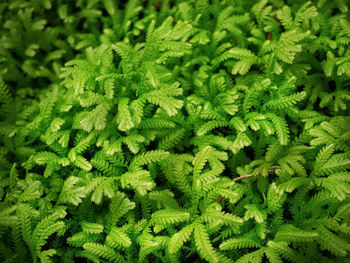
<point x="220" y="199"/>
<point x="269" y="35"/>
<point x="244" y="177"/>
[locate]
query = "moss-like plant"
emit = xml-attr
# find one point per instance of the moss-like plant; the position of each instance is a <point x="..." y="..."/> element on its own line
<point x="174" y="131"/>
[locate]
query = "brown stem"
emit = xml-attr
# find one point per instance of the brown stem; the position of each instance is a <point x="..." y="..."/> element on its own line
<point x="246" y="176"/>
<point x="242" y="177"/>
<point x="220" y="199"/>
<point x="269" y="35"/>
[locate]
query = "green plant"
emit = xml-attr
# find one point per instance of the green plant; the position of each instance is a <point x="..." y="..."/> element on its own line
<point x="174" y="131"/>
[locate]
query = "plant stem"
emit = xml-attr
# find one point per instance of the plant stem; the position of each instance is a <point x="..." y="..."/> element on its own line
<point x="244" y="177"/>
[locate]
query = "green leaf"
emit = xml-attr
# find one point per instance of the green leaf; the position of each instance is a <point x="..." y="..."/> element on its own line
<point x="149" y="157"/>
<point x="203" y="244"/>
<point x="140" y="180"/>
<point x="91" y="228"/>
<point x="179" y="238"/>
<point x="117" y="237"/>
<point x="103" y="251"/>
<point x="71" y="193"/>
<point x="290" y="233"/>
<point x="169" y="216"/>
<point x="82" y="163"/>
<point x="124" y="119"/>
<point x="253" y="211"/>
<point x="237" y="243"/>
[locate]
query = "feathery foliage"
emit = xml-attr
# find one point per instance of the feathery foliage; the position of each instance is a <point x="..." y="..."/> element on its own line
<point x="174" y="131"/>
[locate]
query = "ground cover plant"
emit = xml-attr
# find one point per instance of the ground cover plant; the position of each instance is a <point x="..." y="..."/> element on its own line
<point x="174" y="131"/>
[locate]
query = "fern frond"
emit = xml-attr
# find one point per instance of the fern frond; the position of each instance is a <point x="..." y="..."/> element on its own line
<point x="118" y="237"/>
<point x="179" y="238"/>
<point x="103" y="251"/>
<point x="169" y="216"/>
<point x="203" y="244"/>
<point x="237" y="243"/>
<point x="149" y="157"/>
<point x="290" y="233"/>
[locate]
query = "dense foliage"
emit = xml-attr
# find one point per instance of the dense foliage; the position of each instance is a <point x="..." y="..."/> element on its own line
<point x="174" y="131"/>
